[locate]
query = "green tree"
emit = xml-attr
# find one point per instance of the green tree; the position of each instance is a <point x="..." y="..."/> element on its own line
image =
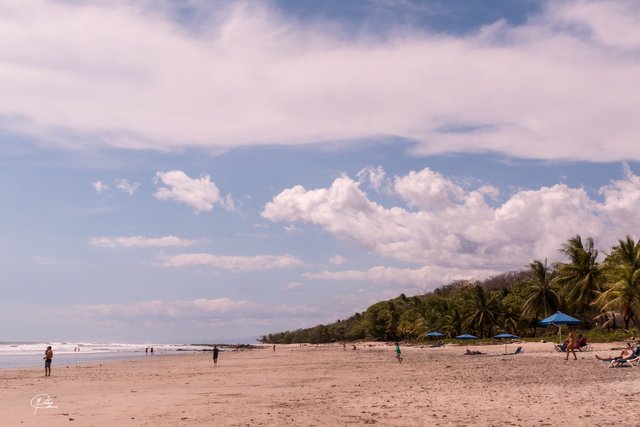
<point x="622" y="272"/>
<point x="482" y="311"/>
<point x="542" y="299"/>
<point x="582" y="276"/>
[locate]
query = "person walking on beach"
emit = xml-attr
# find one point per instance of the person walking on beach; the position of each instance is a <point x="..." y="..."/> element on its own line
<point x="398" y="353"/>
<point x="571" y="344"/>
<point x="48" y="355"/>
<point x="215" y="355"/>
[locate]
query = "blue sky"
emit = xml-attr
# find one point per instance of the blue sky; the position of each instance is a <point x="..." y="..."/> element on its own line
<point x="217" y="171"/>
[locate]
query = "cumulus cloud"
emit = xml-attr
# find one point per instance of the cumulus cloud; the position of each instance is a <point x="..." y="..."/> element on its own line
<point x="199" y="193"/>
<point x="428" y="190"/>
<point x="447" y="226"/>
<point x="561" y="85"/>
<point x="100" y="186"/>
<point x="374" y="175"/>
<point x="232" y="263"/>
<point x="127" y="187"/>
<point x="141" y="242"/>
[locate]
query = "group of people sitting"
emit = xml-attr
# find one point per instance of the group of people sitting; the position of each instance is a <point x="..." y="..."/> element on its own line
<point x="580" y="345"/>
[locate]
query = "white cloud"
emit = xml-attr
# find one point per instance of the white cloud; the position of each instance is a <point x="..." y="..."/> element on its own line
<point x="337" y="260"/>
<point x="562" y="85"/>
<point x="428" y="190"/>
<point x="100" y="186"/>
<point x="451" y="227"/>
<point x="44" y="260"/>
<point x="202" y="308"/>
<point x="199" y="193"/>
<point x="295" y="286"/>
<point x="127" y="187"/>
<point x="374" y="175"/>
<point x="421" y="278"/>
<point x="292" y="229"/>
<point x="141" y="242"/>
<point x="232" y="263"/>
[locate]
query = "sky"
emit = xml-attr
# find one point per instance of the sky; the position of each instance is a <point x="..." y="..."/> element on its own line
<point x="213" y="171"/>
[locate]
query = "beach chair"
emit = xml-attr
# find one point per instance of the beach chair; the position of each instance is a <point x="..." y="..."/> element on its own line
<point x="585" y="347"/>
<point x="633" y="360"/>
<point x="618" y="363"/>
<point x="518" y="351"/>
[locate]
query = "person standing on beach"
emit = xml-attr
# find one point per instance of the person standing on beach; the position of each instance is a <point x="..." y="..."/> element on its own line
<point x="398" y="353"/>
<point x="48" y="355"/>
<point x="215" y="355"/>
<point x="571" y="344"/>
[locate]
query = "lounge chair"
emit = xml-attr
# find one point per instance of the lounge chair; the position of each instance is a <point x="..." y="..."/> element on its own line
<point x="518" y="351"/>
<point x="617" y="363"/>
<point x="632" y="360"/>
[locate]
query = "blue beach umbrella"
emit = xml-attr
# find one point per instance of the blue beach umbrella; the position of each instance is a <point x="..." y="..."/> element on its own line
<point x="505" y="336"/>
<point x="466" y="337"/>
<point x="558" y="319"/>
<point x="435" y="334"/>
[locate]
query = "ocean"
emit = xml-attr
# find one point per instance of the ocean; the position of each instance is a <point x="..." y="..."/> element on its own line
<point x="30" y="354"/>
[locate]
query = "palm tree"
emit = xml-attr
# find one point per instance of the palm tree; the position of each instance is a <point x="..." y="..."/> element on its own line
<point x="622" y="272"/>
<point x="482" y="311"/>
<point x="582" y="276"/>
<point x="623" y="295"/>
<point x="541" y="298"/>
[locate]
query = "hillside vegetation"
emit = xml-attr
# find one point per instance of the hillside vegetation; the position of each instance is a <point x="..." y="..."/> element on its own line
<point x="602" y="294"/>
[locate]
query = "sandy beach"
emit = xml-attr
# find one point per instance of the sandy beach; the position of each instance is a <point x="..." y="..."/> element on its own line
<point x="327" y="386"/>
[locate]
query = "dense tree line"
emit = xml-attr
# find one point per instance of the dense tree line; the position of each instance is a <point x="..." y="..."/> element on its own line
<point x="598" y="293"/>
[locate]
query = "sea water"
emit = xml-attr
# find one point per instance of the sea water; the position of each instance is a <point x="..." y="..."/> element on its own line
<point x="30" y="354"/>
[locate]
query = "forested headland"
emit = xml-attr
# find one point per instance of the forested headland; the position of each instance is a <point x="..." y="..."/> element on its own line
<point x="602" y="294"/>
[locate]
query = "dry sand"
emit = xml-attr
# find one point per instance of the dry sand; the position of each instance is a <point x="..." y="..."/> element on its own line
<point x="326" y="386"/>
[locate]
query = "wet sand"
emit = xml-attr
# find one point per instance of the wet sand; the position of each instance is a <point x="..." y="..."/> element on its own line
<point x="327" y="386"/>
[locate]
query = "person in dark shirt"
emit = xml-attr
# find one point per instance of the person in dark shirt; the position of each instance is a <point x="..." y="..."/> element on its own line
<point x="215" y="355"/>
<point x="48" y="355"/>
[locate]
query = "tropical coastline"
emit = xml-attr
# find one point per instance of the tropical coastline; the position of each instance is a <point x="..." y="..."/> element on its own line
<point x="317" y="385"/>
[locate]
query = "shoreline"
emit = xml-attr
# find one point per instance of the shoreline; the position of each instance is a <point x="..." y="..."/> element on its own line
<point x="103" y="354"/>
